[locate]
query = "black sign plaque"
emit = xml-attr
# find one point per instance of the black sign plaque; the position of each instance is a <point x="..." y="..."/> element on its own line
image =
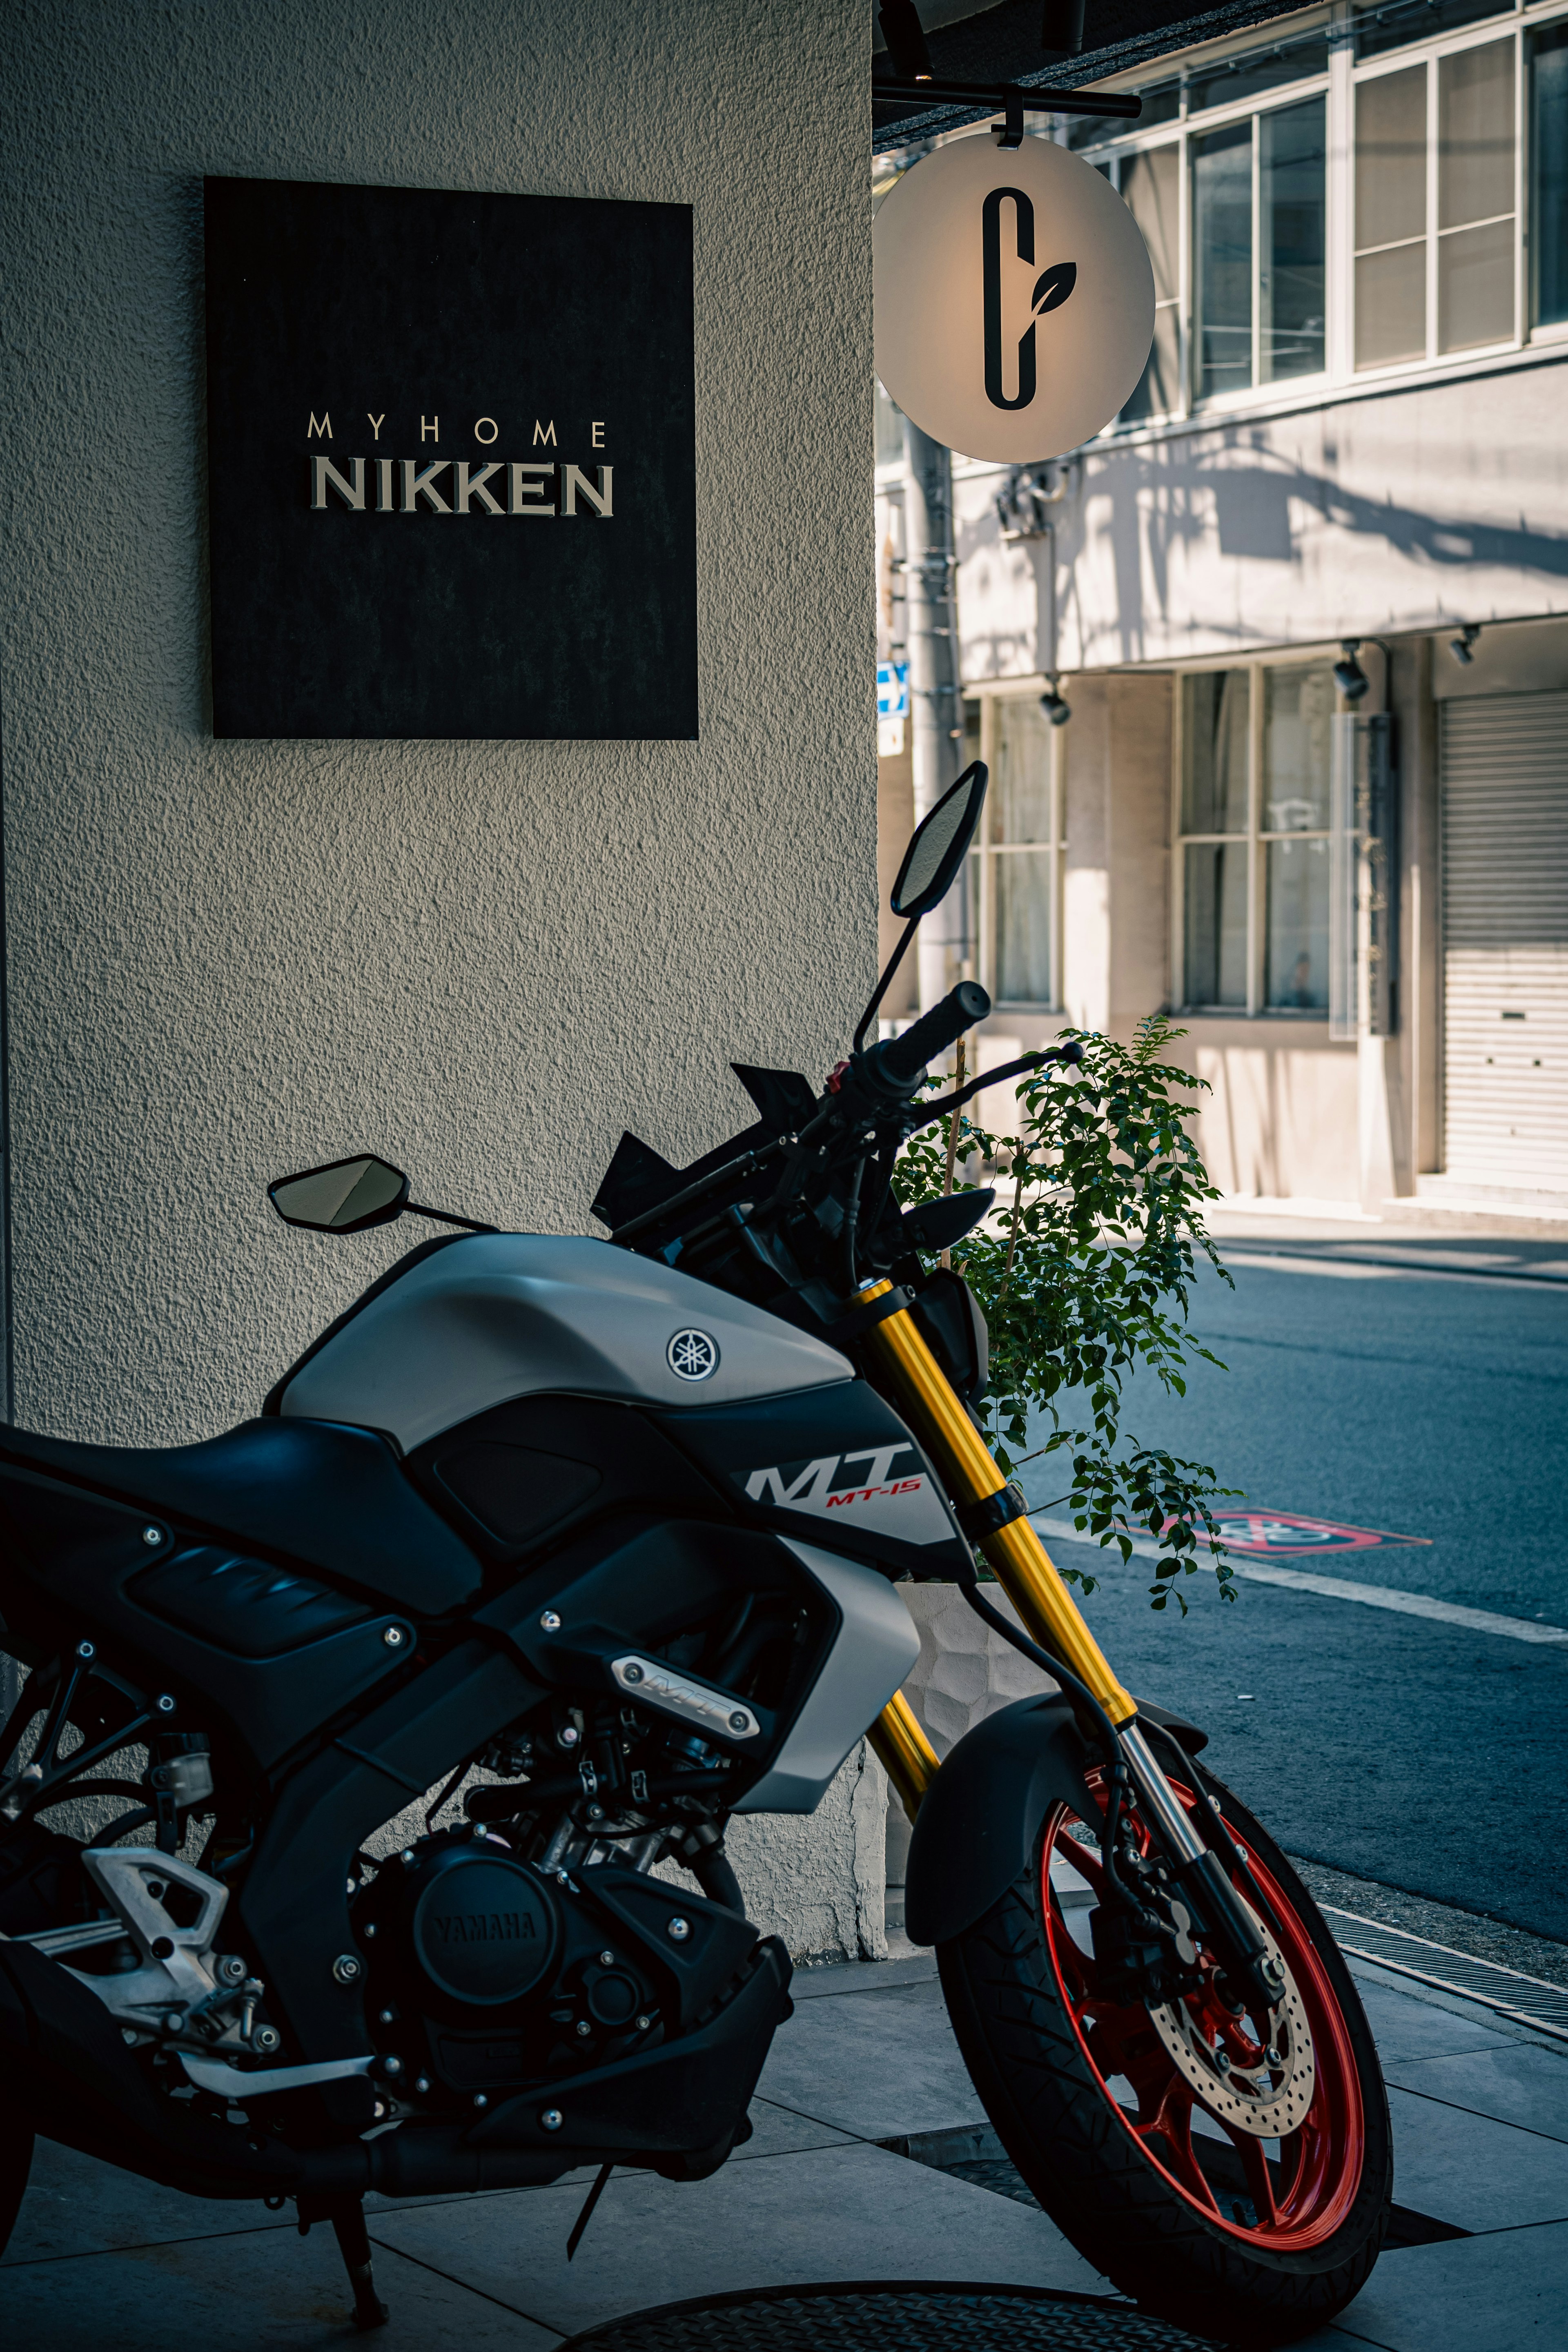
<point x="451" y="464"/>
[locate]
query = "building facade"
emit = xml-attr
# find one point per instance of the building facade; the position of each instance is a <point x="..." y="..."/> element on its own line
<point x="1345" y="465"/>
<point x="225" y="959"/>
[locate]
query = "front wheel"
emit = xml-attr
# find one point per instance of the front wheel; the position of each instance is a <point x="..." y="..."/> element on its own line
<point x="1232" y="2174"/>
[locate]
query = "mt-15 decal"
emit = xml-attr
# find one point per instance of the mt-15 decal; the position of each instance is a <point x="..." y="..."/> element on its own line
<point x="828" y="1488"/>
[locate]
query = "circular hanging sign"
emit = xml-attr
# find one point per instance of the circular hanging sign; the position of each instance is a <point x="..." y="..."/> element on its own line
<point x="1014" y="300"/>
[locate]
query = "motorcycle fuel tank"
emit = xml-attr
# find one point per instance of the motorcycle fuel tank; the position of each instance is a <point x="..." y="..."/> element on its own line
<point x="499" y="1316"/>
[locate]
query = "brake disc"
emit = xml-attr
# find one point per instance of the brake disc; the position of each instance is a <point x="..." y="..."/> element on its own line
<point x="1266" y="2095"/>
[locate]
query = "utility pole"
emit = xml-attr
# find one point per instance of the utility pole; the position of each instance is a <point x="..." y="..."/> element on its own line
<point x="936" y="716"/>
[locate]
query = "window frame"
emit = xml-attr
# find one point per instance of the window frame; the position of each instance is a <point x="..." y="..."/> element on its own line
<point x="985" y="852"/>
<point x="1492" y="31"/>
<point x="1345" y="75"/>
<point x="1256" y="841"/>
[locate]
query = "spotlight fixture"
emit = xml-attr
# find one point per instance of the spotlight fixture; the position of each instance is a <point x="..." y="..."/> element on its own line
<point x="1055" y="705"/>
<point x="1061" y="28"/>
<point x="1462" y="647"/>
<point x="1349" y="675"/>
<point x="905" y="37"/>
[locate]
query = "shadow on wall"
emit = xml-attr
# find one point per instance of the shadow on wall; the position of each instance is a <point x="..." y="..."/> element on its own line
<point x="1261" y="505"/>
<point x="1241" y="499"/>
<point x="1281" y="1102"/>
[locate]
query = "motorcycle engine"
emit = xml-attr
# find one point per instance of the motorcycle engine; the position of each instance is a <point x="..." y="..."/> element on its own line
<point x="487" y="1972"/>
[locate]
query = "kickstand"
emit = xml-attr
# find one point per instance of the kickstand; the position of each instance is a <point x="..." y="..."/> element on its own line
<point x="353" y="2245"/>
<point x="586" y="2215"/>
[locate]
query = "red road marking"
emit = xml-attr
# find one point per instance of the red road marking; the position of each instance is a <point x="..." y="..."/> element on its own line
<point x="1275" y="1535"/>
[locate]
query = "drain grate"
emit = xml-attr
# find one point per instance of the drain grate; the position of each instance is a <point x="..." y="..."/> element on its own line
<point x="1528" y="2000"/>
<point x="892" y="2317"/>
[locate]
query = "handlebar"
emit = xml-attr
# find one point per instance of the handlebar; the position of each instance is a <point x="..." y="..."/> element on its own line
<point x="892" y="1070"/>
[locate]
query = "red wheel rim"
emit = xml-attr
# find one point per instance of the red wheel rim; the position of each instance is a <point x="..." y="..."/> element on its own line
<point x="1288" y="2203"/>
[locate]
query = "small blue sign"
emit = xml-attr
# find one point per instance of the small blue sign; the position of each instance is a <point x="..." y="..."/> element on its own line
<point x="892" y="690"/>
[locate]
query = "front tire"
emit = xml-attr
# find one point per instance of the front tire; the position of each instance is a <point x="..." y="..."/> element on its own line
<point x="1147" y="2172"/>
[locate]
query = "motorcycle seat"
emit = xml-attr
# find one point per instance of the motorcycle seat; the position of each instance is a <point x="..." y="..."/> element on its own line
<point x="324" y="1493"/>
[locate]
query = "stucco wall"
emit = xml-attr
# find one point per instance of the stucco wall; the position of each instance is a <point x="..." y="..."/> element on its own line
<point x="1429" y="504"/>
<point x="1283" y="1118"/>
<point x="482" y="959"/>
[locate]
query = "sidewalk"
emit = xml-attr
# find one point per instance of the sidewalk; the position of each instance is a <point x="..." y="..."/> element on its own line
<point x="101" y="2263"/>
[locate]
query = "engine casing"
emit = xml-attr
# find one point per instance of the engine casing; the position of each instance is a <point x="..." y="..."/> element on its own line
<point x="486" y="1974"/>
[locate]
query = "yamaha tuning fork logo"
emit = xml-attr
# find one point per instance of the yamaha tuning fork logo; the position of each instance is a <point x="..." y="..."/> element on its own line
<point x="987" y="350"/>
<point x="692" y="1356"/>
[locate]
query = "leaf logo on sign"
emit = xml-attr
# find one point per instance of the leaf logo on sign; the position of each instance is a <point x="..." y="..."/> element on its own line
<point x="1052" y="288"/>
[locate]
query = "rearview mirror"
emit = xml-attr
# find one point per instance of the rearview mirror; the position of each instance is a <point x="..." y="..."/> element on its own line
<point x="938" y="845"/>
<point x="348" y="1196"/>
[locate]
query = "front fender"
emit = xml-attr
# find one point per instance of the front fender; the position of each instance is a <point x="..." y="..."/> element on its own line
<point x="982" y="1814"/>
<point x="979" y="1820"/>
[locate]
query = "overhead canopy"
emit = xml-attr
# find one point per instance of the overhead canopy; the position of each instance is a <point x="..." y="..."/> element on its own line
<point x="1001" y="43"/>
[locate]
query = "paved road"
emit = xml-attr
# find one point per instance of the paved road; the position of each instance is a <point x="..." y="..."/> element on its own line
<point x="1425" y="1756"/>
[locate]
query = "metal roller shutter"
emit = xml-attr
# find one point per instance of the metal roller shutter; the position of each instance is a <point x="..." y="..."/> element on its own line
<point x="1505" y="940"/>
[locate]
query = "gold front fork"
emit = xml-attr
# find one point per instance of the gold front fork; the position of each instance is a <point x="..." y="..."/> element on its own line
<point x="923" y="1394"/>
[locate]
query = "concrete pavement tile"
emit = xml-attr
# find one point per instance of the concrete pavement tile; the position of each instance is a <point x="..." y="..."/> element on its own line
<point x="1477" y="2174"/>
<point x="77" y="2205"/>
<point x="875" y="2067"/>
<point x="845" y="2214"/>
<point x="254" y="2293"/>
<point x="1526" y="2087"/>
<point x="862" y="1976"/>
<point x="779" y="2131"/>
<point x="1406" y="2027"/>
<point x="1469" y="2295"/>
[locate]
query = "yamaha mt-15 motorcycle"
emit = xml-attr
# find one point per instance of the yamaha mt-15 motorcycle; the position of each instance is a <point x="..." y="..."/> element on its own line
<point x="617" y="1522"/>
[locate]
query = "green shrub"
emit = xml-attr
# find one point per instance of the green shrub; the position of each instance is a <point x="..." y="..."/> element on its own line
<point x="1084" y="1272"/>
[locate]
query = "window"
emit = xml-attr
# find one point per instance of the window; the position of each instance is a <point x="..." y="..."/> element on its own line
<point x="1214" y="807"/>
<point x="1298" y="705"/>
<point x="1151" y="191"/>
<point x="1474" y="197"/>
<point x="1291" y="240"/>
<point x="1549" y="175"/>
<point x="1258" y="250"/>
<point x="1391" y="218"/>
<point x="1222" y="260"/>
<point x="1434" y="242"/>
<point x="1393" y="24"/>
<point x="1467" y="97"/>
<point x="1015" y="870"/>
<point x="1162" y="103"/>
<point x="1250" y="73"/>
<point x="890" y="430"/>
<point x="1254" y="852"/>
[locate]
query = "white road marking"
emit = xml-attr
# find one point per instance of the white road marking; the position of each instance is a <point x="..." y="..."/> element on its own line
<point x="1339" y="1587"/>
<point x="1349" y="1270"/>
<point x="1346" y="1268"/>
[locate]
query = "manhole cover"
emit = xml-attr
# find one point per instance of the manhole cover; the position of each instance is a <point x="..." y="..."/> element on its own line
<point x="901" y="2317"/>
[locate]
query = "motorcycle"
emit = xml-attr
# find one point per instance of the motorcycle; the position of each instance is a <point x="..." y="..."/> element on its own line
<point x="606" y="1534"/>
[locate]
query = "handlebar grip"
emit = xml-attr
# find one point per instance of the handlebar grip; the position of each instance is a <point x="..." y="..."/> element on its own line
<point x="902" y="1059"/>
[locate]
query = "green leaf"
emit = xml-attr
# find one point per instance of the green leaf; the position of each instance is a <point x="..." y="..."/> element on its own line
<point x="1086" y="1273"/>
